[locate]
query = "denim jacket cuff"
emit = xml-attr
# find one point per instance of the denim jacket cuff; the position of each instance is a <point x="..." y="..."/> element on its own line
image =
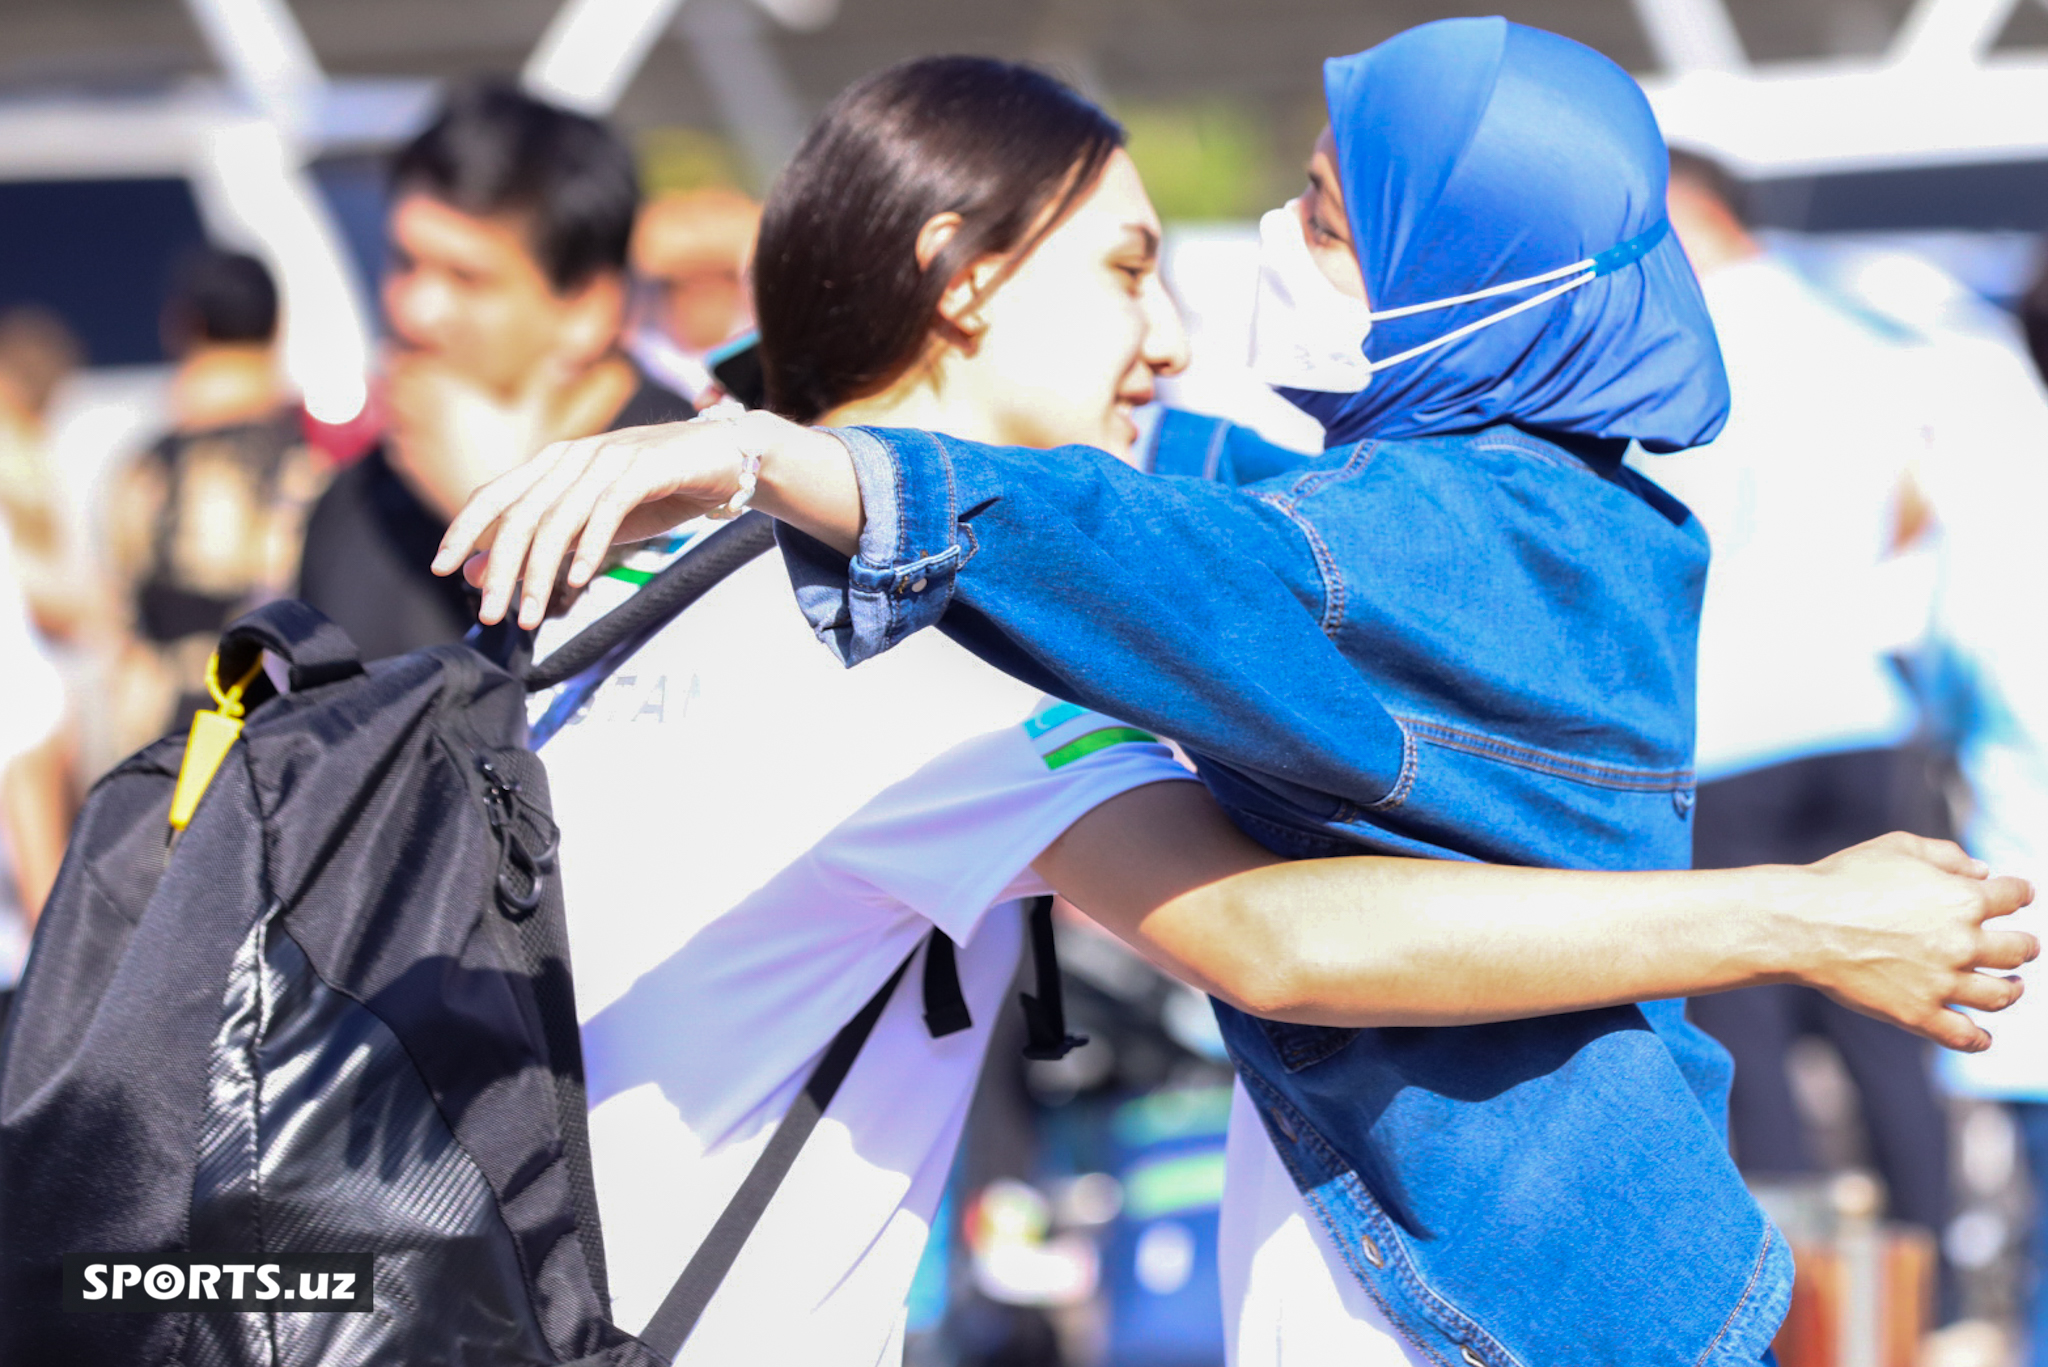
<point x="910" y="547"/>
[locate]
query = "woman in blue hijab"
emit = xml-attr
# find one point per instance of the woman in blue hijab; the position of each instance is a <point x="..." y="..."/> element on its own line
<point x="1463" y="632"/>
<point x="1478" y="155"/>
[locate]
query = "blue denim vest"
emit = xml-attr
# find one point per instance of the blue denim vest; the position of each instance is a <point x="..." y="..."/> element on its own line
<point x="1471" y="647"/>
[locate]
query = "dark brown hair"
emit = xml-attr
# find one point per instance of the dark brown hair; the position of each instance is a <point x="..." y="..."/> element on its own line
<point x="493" y="149"/>
<point x="843" y="307"/>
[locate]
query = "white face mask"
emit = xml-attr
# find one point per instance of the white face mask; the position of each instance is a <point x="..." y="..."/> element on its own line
<point x="1308" y="334"/>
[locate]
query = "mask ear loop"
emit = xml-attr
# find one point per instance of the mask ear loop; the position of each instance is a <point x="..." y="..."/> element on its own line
<point x="1584" y="272"/>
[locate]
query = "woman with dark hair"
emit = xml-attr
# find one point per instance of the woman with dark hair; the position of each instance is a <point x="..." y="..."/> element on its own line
<point x="1436" y="1162"/>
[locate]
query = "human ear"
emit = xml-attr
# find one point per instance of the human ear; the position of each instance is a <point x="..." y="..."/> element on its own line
<point x="958" y="314"/>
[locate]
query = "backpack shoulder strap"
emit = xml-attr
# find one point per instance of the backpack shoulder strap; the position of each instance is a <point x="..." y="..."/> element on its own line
<point x="629" y="626"/>
<point x="686" y="1300"/>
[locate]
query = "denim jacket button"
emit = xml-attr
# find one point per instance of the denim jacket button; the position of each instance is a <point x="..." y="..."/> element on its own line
<point x="917" y="585"/>
<point x="1372" y="1251"/>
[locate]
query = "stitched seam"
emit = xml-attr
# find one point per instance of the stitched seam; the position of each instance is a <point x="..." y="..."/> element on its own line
<point x="1326" y="565"/>
<point x="1377" y="1221"/>
<point x="1586" y="771"/>
<point x="1316" y="481"/>
<point x="1405" y="783"/>
<point x="1755" y="1273"/>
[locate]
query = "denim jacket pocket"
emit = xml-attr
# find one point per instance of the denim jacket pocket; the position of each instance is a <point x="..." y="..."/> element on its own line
<point x="1304" y="1046"/>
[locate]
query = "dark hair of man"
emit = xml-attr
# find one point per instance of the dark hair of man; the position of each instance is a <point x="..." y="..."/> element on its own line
<point x="496" y="151"/>
<point x="843" y="307"/>
<point x="1705" y="173"/>
<point x="221" y="297"/>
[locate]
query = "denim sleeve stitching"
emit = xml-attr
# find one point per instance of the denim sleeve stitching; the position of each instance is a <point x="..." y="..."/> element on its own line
<point x="1404" y="783"/>
<point x="1616" y="776"/>
<point x="1398" y="1263"/>
<point x="1756" y="1273"/>
<point x="1332" y="614"/>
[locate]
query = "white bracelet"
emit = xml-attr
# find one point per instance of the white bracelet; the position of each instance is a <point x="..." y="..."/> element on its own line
<point x="727" y="414"/>
<point x="750" y="475"/>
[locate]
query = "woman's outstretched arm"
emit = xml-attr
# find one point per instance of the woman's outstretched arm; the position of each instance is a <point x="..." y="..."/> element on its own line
<point x="1163" y="601"/>
<point x="1896" y="928"/>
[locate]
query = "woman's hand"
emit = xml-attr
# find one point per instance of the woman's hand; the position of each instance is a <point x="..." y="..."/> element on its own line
<point x="1900" y="926"/>
<point x="629" y="485"/>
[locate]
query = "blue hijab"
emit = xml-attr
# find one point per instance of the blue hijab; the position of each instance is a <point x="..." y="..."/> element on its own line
<point x="1474" y="152"/>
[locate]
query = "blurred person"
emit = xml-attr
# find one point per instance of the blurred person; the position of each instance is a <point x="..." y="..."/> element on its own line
<point x="35" y="787"/>
<point x="1809" y="735"/>
<point x="1988" y="658"/>
<point x="693" y="249"/>
<point x="1041" y="349"/>
<point x="37" y="353"/>
<point x="208" y="522"/>
<point x="505" y="294"/>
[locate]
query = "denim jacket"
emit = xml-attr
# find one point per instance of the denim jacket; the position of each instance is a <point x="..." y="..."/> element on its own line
<point x="1469" y="647"/>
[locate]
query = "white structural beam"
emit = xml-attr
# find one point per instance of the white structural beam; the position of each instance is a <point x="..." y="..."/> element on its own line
<point x="1808" y="119"/>
<point x="592" y="50"/>
<point x="252" y="174"/>
<point x="265" y="53"/>
<point x="756" y="101"/>
<point x="1691" y="35"/>
<point x="1949" y="32"/>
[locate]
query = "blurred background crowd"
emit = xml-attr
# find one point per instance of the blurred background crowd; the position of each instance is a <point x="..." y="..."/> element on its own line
<point x="258" y="336"/>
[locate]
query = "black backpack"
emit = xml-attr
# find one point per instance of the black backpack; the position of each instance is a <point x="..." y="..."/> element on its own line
<point x="335" y="1019"/>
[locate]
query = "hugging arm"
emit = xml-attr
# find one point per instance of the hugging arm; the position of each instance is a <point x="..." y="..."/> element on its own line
<point x="1166" y="602"/>
<point x="1896" y="928"/>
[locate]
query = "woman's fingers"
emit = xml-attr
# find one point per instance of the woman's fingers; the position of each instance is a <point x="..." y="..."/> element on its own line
<point x="2005" y="895"/>
<point x="1985" y="991"/>
<point x="2007" y="949"/>
<point x="560" y="524"/>
<point x="466" y="533"/>
<point x="515" y="530"/>
<point x="1954" y="1030"/>
<point x="1945" y="855"/>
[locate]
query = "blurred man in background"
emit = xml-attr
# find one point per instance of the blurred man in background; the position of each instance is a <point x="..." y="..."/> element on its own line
<point x="1807" y="730"/>
<point x="506" y="296"/>
<point x="207" y="523"/>
<point x="693" y="251"/>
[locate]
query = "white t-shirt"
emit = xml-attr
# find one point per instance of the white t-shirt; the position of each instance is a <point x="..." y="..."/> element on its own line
<point x="1288" y="1299"/>
<point x="741" y="876"/>
<point x="1799" y="496"/>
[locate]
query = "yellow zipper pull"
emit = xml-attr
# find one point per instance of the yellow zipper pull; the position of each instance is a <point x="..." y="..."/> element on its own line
<point x="207" y="745"/>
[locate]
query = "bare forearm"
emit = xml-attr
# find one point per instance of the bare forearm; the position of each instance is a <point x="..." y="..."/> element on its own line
<point x="807" y="481"/>
<point x="1899" y="928"/>
<point x="1381" y="942"/>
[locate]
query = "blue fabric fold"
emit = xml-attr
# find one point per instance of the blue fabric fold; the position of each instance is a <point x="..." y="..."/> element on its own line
<point x="1474" y="152"/>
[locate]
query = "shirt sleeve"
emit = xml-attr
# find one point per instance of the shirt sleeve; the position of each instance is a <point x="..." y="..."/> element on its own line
<point x="958" y="837"/>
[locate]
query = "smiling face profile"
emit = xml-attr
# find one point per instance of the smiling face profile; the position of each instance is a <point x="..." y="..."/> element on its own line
<point x="962" y="245"/>
<point x="1063" y="345"/>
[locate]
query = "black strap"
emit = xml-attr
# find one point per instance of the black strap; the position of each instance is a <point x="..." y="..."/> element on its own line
<point x="318" y="651"/>
<point x="684" y="1305"/>
<point x="945" y="1005"/>
<point x="616" y="635"/>
<point x="1045" y="1015"/>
